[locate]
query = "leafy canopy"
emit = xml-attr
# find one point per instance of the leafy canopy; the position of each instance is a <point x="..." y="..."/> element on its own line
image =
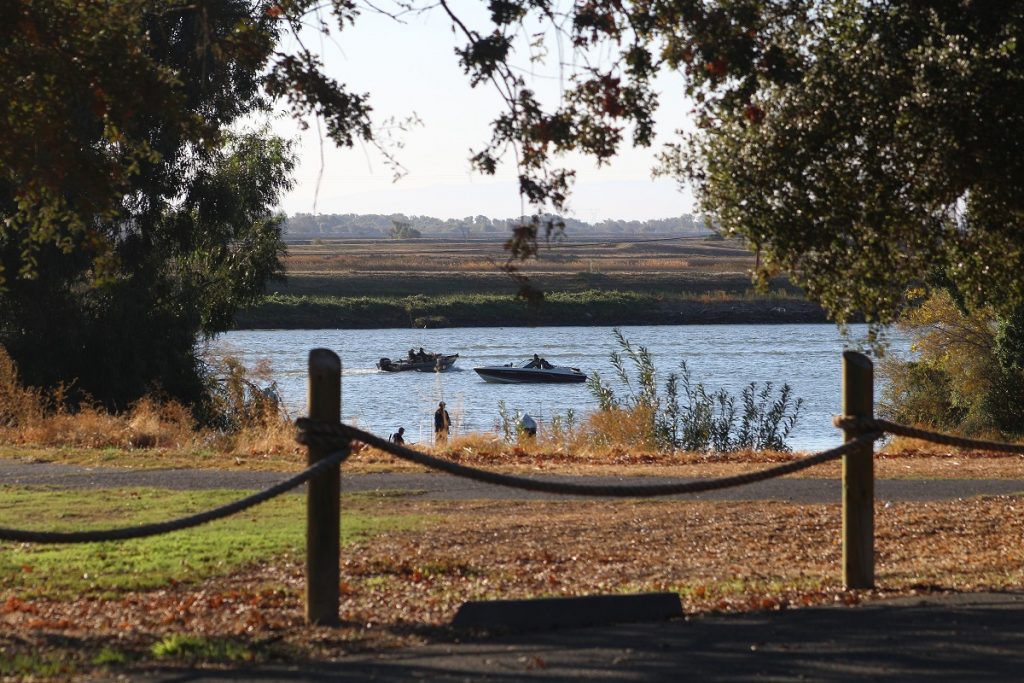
<point x="135" y="215"/>
<point x="858" y="146"/>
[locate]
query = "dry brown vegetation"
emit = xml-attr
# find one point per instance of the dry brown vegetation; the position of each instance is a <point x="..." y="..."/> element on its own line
<point x="156" y="435"/>
<point x="33" y="420"/>
<point x="452" y="283"/>
<point x="453" y="256"/>
<point x="687" y="265"/>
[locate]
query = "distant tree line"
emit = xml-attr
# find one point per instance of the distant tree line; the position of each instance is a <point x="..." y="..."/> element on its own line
<point x="303" y="226"/>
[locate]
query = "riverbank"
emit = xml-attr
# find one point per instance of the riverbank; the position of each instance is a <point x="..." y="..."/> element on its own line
<point x="586" y="308"/>
<point x="403" y="284"/>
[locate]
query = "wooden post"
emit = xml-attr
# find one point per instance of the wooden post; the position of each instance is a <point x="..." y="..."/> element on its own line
<point x="858" y="477"/>
<point x="323" y="498"/>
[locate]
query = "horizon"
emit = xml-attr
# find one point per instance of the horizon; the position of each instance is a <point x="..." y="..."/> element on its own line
<point x="679" y="216"/>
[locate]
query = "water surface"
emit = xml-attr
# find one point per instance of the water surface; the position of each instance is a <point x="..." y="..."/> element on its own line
<point x="729" y="356"/>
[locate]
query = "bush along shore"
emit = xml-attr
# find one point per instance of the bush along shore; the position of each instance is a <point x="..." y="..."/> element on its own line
<point x="284" y="311"/>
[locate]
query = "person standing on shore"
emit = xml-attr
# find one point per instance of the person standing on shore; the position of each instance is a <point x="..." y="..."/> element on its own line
<point x="442" y="424"/>
<point x="528" y="426"/>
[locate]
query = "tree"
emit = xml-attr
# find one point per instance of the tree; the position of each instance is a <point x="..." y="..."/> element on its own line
<point x="861" y="146"/>
<point x="965" y="374"/>
<point x="403" y="230"/>
<point x="134" y="220"/>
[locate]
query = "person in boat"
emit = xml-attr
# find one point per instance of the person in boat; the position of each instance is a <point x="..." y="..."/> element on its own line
<point x="423" y="355"/>
<point x="442" y="423"/>
<point x="539" y="362"/>
<point x="412" y="354"/>
<point x="398" y="437"/>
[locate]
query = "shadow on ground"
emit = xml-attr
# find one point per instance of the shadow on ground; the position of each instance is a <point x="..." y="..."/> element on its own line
<point x="959" y="637"/>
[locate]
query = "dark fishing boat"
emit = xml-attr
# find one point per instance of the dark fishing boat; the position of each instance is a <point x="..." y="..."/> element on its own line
<point x="431" y="362"/>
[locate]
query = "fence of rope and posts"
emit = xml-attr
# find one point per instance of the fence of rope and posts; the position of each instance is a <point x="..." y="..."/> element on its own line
<point x="329" y="443"/>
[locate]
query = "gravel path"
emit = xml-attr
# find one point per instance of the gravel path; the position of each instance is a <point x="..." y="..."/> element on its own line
<point x="432" y="486"/>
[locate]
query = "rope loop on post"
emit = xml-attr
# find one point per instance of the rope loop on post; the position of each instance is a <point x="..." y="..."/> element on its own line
<point x="321" y="437"/>
<point x="858" y="425"/>
<point x="877" y="425"/>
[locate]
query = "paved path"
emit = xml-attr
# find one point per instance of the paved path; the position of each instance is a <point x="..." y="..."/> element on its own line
<point x="434" y="486"/>
<point x="939" y="639"/>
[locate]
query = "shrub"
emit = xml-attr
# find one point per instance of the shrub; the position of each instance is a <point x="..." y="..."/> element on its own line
<point x="687" y="416"/>
<point x="562" y="431"/>
<point x="918" y="394"/>
<point x="508" y="423"/>
<point x="967" y="375"/>
<point x="247" y="418"/>
<point x="19" y="406"/>
<point x="559" y="431"/>
<point x="239" y="397"/>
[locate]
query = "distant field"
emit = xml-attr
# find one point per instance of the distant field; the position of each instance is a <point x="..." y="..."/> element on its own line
<point x="439" y="283"/>
<point x="658" y="255"/>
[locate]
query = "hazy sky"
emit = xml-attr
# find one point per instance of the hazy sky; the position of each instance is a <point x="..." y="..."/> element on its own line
<point x="410" y="68"/>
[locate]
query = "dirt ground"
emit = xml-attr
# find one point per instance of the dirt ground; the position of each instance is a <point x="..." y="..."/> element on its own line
<point x="402" y="587"/>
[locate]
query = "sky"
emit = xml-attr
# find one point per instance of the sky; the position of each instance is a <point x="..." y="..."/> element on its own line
<point x="409" y="68"/>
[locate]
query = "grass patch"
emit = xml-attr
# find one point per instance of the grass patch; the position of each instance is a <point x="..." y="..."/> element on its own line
<point x="109" y="657"/>
<point x="21" y="666"/>
<point x="157" y="458"/>
<point x="273" y="529"/>
<point x="180" y="646"/>
<point x="588" y="307"/>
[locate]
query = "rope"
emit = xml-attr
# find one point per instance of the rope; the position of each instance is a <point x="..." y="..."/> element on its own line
<point x="124" y="533"/>
<point x="337" y="438"/>
<point x="327" y="434"/>
<point x="877" y="425"/>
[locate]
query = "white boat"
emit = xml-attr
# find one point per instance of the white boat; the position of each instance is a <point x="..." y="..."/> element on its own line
<point x="529" y="373"/>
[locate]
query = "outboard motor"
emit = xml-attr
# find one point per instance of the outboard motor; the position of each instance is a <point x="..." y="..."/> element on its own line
<point x="384" y="363"/>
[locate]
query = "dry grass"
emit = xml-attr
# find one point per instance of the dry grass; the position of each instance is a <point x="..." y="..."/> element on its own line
<point x="18" y="405"/>
<point x="322" y="264"/>
<point x="581" y="457"/>
<point x="148" y="424"/>
<point x="611" y="430"/>
<point x="273" y="448"/>
<point x="35" y="421"/>
<point x="455" y="256"/>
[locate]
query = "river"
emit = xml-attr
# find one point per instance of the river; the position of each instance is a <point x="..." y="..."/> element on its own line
<point x="807" y="357"/>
